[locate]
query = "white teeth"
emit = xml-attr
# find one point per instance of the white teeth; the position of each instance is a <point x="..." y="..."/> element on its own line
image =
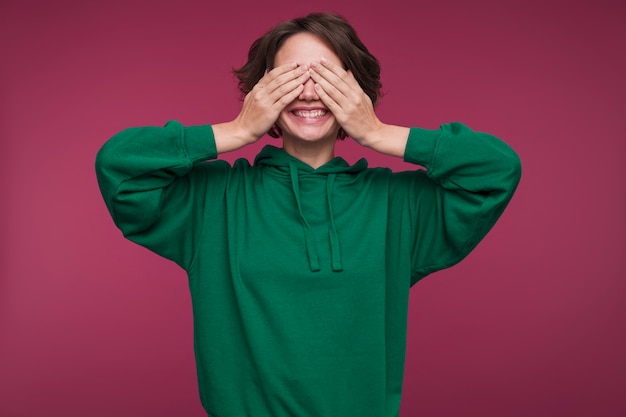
<point x="310" y="113"/>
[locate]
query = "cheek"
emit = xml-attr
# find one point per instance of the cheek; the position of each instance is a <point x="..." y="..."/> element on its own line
<point x="282" y="117"/>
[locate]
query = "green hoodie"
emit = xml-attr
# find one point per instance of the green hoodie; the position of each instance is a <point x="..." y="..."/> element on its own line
<point x="300" y="277"/>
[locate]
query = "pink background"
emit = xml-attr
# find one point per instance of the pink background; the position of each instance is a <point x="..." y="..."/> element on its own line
<point x="531" y="324"/>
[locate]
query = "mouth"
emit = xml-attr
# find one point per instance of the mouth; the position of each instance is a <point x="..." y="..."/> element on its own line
<point x="310" y="114"/>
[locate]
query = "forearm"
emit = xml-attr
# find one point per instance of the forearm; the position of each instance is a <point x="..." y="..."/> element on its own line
<point x="153" y="184"/>
<point x="139" y="162"/>
<point x="230" y="137"/>
<point x="473" y="176"/>
<point x="388" y="139"/>
<point x="459" y="158"/>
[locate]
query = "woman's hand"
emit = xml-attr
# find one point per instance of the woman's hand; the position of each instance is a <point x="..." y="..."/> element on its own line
<point x="344" y="97"/>
<point x="354" y="111"/>
<point x="261" y="107"/>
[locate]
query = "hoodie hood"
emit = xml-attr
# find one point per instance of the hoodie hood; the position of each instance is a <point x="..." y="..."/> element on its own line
<point x="277" y="157"/>
<point x="294" y="168"/>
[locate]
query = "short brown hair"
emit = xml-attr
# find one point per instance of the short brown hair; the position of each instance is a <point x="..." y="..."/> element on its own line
<point x="334" y="30"/>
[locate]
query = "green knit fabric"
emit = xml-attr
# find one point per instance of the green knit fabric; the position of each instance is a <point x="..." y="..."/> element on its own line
<point x="300" y="277"/>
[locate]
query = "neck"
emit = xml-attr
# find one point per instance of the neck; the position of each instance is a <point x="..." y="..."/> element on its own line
<point x="314" y="154"/>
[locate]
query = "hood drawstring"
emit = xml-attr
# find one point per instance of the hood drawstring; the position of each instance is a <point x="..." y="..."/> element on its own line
<point x="335" y="254"/>
<point x="283" y="165"/>
<point x="311" y="247"/>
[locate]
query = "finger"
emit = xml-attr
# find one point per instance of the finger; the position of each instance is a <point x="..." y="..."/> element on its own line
<point x="285" y="99"/>
<point x="335" y="78"/>
<point x="281" y="90"/>
<point x="339" y="71"/>
<point x="329" y="88"/>
<point x="352" y="78"/>
<point x="345" y="74"/>
<point x="336" y="74"/>
<point x="281" y="69"/>
<point x="271" y="75"/>
<point x="279" y="83"/>
<point x="328" y="100"/>
<point x="299" y="73"/>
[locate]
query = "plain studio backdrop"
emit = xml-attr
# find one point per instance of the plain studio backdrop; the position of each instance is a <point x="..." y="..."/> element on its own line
<point x="530" y="324"/>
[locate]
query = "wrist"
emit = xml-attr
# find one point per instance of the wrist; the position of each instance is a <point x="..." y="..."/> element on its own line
<point x="387" y="139"/>
<point x="230" y="136"/>
<point x="372" y="135"/>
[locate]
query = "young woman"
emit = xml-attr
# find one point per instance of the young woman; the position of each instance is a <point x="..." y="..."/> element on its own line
<point x="300" y="264"/>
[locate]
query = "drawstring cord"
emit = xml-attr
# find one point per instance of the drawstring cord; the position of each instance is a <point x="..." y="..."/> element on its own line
<point x="311" y="247"/>
<point x="335" y="254"/>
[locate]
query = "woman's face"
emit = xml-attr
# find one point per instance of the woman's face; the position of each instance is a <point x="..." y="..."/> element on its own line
<point x="306" y="118"/>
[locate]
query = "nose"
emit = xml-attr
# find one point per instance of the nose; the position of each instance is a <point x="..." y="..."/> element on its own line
<point x="309" y="93"/>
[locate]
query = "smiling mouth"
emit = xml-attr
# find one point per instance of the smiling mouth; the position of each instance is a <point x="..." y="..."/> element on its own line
<point x="310" y="114"/>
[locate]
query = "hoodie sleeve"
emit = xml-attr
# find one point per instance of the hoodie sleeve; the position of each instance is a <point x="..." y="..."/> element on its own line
<point x="470" y="179"/>
<point x="154" y="187"/>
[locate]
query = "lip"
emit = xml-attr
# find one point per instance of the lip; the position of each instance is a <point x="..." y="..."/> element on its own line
<point x="295" y="109"/>
<point x="305" y="108"/>
<point x="309" y="120"/>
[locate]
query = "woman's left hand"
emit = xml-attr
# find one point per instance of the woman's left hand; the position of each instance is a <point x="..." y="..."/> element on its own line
<point x="354" y="111"/>
<point x="344" y="97"/>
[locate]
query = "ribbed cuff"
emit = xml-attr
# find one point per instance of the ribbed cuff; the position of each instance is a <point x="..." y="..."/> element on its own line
<point x="421" y="145"/>
<point x="199" y="143"/>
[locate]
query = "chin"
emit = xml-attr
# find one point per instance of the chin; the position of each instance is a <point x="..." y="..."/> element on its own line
<point x="309" y="137"/>
<point x="311" y="132"/>
<point x="314" y="137"/>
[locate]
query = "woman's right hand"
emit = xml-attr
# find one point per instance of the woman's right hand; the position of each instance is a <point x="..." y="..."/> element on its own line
<point x="261" y="107"/>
